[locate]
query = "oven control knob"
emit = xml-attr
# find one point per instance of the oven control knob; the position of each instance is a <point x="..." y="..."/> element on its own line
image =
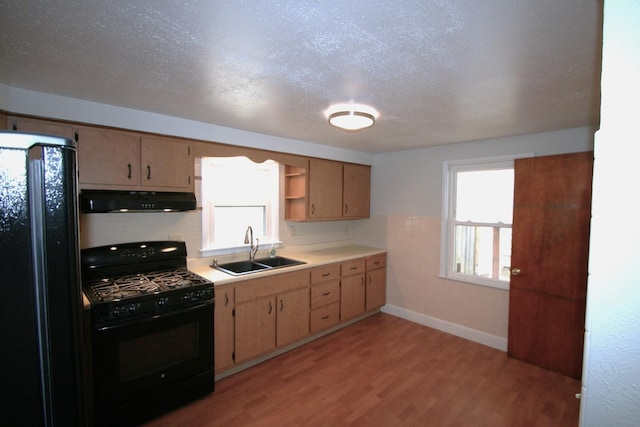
<point x="186" y="296"/>
<point x="132" y="308"/>
<point x="115" y="312"/>
<point x="162" y="302"/>
<point x="197" y="294"/>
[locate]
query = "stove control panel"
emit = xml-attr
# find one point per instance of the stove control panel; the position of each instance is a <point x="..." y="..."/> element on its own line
<point x="151" y="305"/>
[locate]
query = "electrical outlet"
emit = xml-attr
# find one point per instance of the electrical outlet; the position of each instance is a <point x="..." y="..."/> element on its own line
<point x="176" y="237"/>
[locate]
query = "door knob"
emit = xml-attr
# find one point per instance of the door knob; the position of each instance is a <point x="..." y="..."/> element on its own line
<point x="515" y="272"/>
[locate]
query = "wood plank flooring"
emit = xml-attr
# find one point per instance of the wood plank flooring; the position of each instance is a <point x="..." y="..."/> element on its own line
<point x="386" y="371"/>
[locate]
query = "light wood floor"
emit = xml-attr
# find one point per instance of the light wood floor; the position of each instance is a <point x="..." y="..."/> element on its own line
<point x="386" y="371"/>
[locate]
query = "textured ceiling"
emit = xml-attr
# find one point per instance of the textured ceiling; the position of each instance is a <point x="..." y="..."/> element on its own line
<point x="437" y="71"/>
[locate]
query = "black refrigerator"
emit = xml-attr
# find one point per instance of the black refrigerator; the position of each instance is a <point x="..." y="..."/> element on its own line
<point x="41" y="359"/>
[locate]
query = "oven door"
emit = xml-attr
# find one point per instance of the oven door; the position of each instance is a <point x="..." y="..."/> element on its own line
<point x="143" y="358"/>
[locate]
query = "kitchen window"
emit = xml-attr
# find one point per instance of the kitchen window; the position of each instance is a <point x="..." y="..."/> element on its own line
<point x="237" y="193"/>
<point x="478" y="211"/>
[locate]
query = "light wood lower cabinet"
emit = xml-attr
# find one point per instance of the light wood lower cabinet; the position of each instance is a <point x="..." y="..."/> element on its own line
<point x="270" y="313"/>
<point x="256" y="317"/>
<point x="325" y="297"/>
<point x="352" y="289"/>
<point x="376" y="288"/>
<point x="224" y="328"/>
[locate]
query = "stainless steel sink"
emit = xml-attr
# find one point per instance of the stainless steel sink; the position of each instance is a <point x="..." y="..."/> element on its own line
<point x="279" y="261"/>
<point x="239" y="268"/>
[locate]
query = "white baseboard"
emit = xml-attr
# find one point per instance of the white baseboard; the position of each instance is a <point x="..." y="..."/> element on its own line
<point x="484" y="338"/>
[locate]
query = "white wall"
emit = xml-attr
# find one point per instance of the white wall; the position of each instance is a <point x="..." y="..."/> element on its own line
<point x="407" y="207"/>
<point x="611" y="374"/>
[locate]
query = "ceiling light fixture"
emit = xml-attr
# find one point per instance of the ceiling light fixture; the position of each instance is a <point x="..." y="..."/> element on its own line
<point x="351" y="117"/>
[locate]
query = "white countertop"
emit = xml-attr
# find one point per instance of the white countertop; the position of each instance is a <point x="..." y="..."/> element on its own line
<point x="313" y="258"/>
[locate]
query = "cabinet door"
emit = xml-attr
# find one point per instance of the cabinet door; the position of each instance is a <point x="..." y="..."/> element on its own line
<point x="356" y="191"/>
<point x="224" y="329"/>
<point x="107" y="157"/>
<point x="352" y="294"/>
<point x="293" y="316"/>
<point x="255" y="328"/>
<point x="325" y="189"/>
<point x="42" y="126"/>
<point x="376" y="288"/>
<point x="166" y="163"/>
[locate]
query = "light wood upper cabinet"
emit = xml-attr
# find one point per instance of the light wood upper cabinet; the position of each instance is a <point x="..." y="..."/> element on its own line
<point x="166" y="163"/>
<point x="356" y="191"/>
<point x="327" y="190"/>
<point x="21" y="124"/>
<point x="108" y="158"/>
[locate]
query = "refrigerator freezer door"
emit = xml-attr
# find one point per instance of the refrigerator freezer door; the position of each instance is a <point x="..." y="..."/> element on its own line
<point x="40" y="291"/>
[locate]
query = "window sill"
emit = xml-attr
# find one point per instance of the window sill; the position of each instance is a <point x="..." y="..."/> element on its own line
<point x="477" y="281"/>
<point x="229" y="250"/>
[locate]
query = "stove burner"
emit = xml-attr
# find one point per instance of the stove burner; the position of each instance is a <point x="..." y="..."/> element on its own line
<point x="129" y="286"/>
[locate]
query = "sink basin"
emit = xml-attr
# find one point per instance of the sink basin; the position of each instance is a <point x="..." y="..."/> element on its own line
<point x="279" y="261"/>
<point x="239" y="268"/>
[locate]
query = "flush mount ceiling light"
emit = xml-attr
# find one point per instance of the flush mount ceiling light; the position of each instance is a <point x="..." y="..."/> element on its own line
<point x="351" y="117"/>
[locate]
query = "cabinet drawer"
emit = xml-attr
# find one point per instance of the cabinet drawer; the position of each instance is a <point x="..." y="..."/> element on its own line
<point x="271" y="285"/>
<point x="325" y="293"/>
<point x="325" y="317"/>
<point x="324" y="273"/>
<point x="353" y="267"/>
<point x="376" y="261"/>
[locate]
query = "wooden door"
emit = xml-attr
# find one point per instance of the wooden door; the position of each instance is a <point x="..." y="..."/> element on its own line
<point x="356" y="191"/>
<point x="255" y="328"/>
<point x="352" y="296"/>
<point x="325" y="189"/>
<point x="550" y="248"/>
<point x="293" y="316"/>
<point x="224" y="328"/>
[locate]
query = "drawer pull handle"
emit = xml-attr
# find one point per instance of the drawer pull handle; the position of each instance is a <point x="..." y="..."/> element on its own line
<point x="376" y="262"/>
<point x="281" y="305"/>
<point x="270" y="307"/>
<point x="354" y="267"/>
<point x="326" y="274"/>
<point x="325" y="317"/>
<point x="326" y="294"/>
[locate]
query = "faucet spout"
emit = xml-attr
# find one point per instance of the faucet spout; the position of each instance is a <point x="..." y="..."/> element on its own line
<point x="248" y="239"/>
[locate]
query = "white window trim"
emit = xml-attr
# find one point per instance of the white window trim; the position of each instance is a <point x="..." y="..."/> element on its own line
<point x="446" y="242"/>
<point x="272" y="219"/>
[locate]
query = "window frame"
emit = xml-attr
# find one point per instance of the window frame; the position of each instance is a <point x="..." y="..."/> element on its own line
<point x="272" y="214"/>
<point x="449" y="170"/>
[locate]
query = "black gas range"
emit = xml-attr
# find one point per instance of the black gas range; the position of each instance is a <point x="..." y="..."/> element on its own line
<point x="151" y="330"/>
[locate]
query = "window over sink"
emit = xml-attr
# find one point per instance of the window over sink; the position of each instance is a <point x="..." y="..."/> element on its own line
<point x="237" y="193"/>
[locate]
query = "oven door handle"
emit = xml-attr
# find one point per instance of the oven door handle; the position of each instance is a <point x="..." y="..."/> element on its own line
<point x="120" y="323"/>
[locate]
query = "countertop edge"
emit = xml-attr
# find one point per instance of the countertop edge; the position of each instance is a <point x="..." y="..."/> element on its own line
<point x="313" y="258"/>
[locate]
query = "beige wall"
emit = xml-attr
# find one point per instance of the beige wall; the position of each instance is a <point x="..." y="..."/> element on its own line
<point x="407" y="199"/>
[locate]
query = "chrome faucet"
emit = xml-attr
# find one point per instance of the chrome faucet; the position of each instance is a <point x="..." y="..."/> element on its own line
<point x="248" y="239"/>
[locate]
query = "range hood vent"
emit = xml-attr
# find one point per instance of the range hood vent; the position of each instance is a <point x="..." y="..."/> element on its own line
<point x="100" y="201"/>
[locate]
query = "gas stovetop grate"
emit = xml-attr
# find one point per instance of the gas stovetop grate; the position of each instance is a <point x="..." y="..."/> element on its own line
<point x="134" y="285"/>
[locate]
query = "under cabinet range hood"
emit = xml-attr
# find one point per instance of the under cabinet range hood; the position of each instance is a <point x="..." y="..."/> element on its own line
<point x="101" y="201"/>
